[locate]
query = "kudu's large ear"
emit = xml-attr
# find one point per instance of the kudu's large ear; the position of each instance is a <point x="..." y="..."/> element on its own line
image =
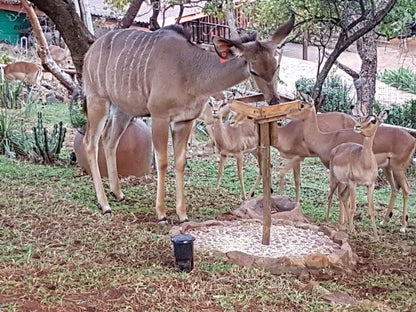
<point x="226" y="48"/>
<point x="283" y="31"/>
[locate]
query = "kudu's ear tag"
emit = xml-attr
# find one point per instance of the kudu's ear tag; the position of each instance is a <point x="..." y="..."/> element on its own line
<point x="223" y="57"/>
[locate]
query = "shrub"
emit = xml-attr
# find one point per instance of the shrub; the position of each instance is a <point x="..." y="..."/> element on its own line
<point x="336" y="93"/>
<point x="404" y="115"/>
<point x="400" y="78"/>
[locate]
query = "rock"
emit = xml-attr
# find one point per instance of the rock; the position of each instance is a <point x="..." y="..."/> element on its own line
<point x="316" y="261"/>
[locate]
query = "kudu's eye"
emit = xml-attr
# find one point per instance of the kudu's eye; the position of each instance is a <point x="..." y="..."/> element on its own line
<point x="254" y="73"/>
<point x="373" y="121"/>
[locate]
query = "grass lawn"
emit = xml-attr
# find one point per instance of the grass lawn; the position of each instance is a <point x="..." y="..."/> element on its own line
<point x="58" y="253"/>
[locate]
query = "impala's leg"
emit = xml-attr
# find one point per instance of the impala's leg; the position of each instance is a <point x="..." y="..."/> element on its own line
<point x="293" y="163"/>
<point x="403" y="183"/>
<point x="220" y="169"/>
<point x="296" y="177"/>
<point x="97" y="111"/>
<point x="332" y="188"/>
<point x="388" y="173"/>
<point x="370" y="194"/>
<point x="240" y="160"/>
<point x="259" y="176"/>
<point x="344" y="203"/>
<point x="180" y="136"/>
<point x="353" y="205"/>
<point x="160" y="132"/>
<point x="113" y="130"/>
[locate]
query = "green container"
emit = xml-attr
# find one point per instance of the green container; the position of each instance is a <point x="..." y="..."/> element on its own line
<point x="11" y="24"/>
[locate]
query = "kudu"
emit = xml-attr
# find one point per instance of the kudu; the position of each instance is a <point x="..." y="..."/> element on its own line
<point x="351" y="165"/>
<point x="164" y="75"/>
<point x="393" y="149"/>
<point x="23" y="71"/>
<point x="233" y="140"/>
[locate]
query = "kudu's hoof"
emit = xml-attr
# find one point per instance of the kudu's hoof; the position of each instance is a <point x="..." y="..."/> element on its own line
<point x="183" y="221"/>
<point x="163" y="221"/>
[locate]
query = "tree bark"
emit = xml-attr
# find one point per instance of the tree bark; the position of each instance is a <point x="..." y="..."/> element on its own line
<point x="43" y="49"/>
<point x="75" y="33"/>
<point x="366" y="83"/>
<point x="231" y="21"/>
<point x="131" y="13"/>
<point x="154" y="25"/>
<point x="348" y="35"/>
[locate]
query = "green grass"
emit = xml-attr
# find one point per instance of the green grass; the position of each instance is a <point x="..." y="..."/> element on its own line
<point x="57" y="250"/>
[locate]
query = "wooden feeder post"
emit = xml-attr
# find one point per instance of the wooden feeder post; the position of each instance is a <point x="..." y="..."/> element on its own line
<point x="266" y="118"/>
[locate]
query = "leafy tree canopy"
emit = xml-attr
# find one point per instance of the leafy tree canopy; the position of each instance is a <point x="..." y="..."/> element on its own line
<point x="399" y="20"/>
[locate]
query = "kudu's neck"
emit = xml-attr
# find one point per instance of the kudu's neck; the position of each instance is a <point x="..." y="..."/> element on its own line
<point x="209" y="75"/>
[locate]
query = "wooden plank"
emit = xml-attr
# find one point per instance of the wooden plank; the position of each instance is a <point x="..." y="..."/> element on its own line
<point x="260" y="98"/>
<point x="266" y="111"/>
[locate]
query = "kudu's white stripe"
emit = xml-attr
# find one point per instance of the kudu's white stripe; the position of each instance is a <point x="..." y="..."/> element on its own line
<point x="146" y="36"/>
<point x="99" y="66"/>
<point x="146" y="91"/>
<point x="119" y="71"/>
<point x="130" y="70"/>
<point x="108" y="76"/>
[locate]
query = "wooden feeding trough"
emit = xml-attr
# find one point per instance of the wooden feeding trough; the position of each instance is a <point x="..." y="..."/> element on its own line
<point x="265" y="117"/>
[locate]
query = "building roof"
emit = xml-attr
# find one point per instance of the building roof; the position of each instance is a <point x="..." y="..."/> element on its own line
<point x="103" y="9"/>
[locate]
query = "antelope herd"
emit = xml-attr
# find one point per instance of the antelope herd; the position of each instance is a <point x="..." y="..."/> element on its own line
<point x="162" y="74"/>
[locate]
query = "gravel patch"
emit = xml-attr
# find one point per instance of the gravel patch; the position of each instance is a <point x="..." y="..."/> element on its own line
<point x="285" y="240"/>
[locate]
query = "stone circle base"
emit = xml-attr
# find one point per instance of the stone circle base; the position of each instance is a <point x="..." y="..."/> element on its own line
<point x="296" y="245"/>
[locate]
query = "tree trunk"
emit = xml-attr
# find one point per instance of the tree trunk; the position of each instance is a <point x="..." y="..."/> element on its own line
<point x="43" y="49"/>
<point x="348" y="37"/>
<point x="231" y="21"/>
<point x="154" y="25"/>
<point x="131" y="13"/>
<point x="75" y="33"/>
<point x="366" y="83"/>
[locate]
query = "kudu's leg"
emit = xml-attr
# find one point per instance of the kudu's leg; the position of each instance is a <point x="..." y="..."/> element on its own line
<point x="160" y="133"/>
<point x="180" y="136"/>
<point x="370" y="196"/>
<point x="97" y="111"/>
<point x="113" y="130"/>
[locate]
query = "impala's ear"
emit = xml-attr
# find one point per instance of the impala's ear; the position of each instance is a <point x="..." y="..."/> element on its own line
<point x="383" y="115"/>
<point x="307" y="98"/>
